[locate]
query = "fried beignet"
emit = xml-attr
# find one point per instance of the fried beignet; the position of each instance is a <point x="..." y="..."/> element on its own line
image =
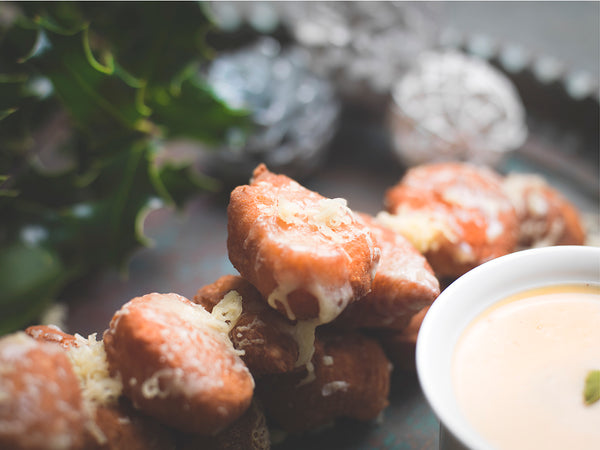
<point x="351" y="379"/>
<point x="400" y="346"/>
<point x="177" y="363"/>
<point x="404" y="284"/>
<point x="125" y="428"/>
<point x="456" y="214"/>
<point x="546" y="217"/>
<point x="41" y="406"/>
<point x="308" y="255"/>
<point x="116" y="424"/>
<point x="261" y="332"/>
<point x="249" y="432"/>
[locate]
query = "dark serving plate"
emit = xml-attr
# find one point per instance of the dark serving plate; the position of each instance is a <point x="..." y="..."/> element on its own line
<point x="189" y="248"/>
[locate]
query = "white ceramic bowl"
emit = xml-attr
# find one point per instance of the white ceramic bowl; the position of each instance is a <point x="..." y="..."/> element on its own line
<point x="465" y="299"/>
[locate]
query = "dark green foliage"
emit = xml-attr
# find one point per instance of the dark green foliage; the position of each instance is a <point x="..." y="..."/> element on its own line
<point x="100" y="88"/>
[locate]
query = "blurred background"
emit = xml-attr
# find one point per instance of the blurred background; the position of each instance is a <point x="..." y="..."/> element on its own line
<point x="124" y="126"/>
<point x="566" y="31"/>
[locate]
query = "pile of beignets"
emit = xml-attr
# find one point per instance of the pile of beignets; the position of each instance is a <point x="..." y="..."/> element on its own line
<point x="327" y="301"/>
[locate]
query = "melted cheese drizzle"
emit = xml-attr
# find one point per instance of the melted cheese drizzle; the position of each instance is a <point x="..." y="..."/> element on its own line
<point x="329" y="224"/>
<point x="303" y="333"/>
<point x="305" y="222"/>
<point x="329" y="308"/>
<point x="228" y="311"/>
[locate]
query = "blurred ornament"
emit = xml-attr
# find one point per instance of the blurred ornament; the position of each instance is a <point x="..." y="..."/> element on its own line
<point x="231" y="16"/>
<point x="518" y="61"/>
<point x="451" y="106"/>
<point x="295" y="112"/>
<point x="363" y="47"/>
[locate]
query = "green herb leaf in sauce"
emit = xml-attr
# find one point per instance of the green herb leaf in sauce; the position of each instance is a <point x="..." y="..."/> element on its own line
<point x="591" y="391"/>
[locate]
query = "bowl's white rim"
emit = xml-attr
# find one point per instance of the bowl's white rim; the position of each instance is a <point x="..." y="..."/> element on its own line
<point x="444" y="322"/>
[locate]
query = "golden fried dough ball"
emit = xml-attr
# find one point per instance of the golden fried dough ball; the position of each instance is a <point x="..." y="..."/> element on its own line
<point x="404" y="284"/>
<point x="249" y="432"/>
<point x="308" y="255"/>
<point x="123" y="427"/>
<point x="456" y="214"/>
<point x="116" y="424"/>
<point x="177" y="363"/>
<point x="400" y="346"/>
<point x="546" y="217"/>
<point x="41" y="406"/>
<point x="351" y="379"/>
<point x="264" y="335"/>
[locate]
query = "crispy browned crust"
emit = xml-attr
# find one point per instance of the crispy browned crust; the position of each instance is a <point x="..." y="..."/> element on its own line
<point x="260" y="332"/>
<point x="41" y="405"/>
<point x="404" y="284"/>
<point x="124" y="427"/>
<point x="249" y="432"/>
<point x="352" y="380"/>
<point x="471" y="203"/>
<point x="174" y="369"/>
<point x="546" y="217"/>
<point x="260" y="247"/>
<point x="400" y="346"/>
<point x="46" y="333"/>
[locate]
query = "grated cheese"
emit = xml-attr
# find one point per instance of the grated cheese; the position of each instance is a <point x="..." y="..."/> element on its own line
<point x="423" y="230"/>
<point x="89" y="362"/>
<point x="326" y="215"/>
<point x="151" y="386"/>
<point x="489" y="205"/>
<point x="223" y="318"/>
<point x="327" y="360"/>
<point x="333" y="387"/>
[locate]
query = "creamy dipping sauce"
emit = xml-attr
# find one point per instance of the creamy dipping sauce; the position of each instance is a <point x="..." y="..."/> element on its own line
<point x="519" y="369"/>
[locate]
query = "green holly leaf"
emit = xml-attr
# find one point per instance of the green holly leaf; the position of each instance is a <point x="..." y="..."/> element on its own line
<point x="64" y="17"/>
<point x="177" y="110"/>
<point x="18" y="38"/>
<point x="154" y="41"/>
<point x="100" y="86"/>
<point x="24" y="95"/>
<point x="30" y="276"/>
<point x="123" y="190"/>
<point x="101" y="101"/>
<point x="180" y="182"/>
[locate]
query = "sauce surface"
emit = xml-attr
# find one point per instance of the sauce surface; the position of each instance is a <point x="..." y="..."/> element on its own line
<point x="519" y="369"/>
